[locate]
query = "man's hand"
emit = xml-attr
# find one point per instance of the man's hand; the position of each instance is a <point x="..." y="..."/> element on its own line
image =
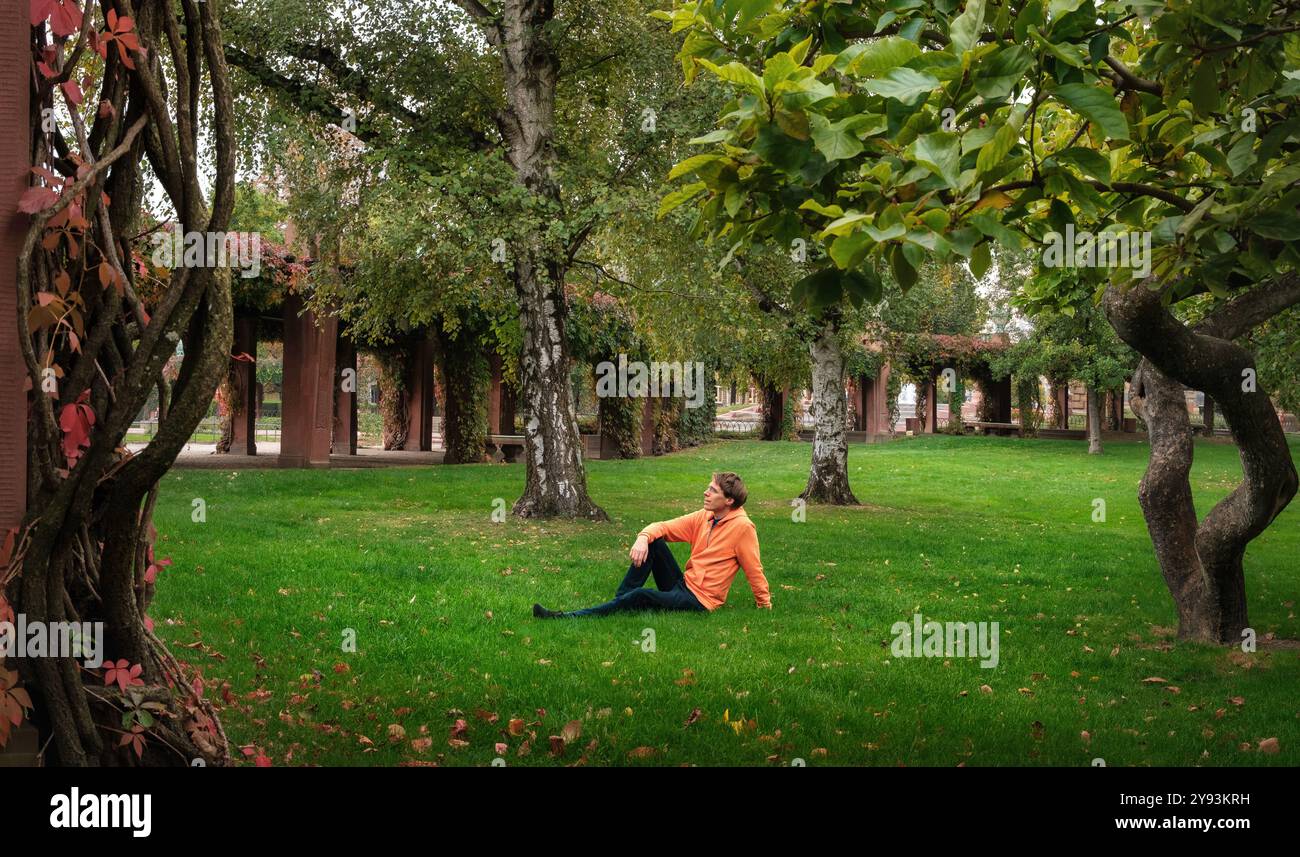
<point x="640" y="550"/>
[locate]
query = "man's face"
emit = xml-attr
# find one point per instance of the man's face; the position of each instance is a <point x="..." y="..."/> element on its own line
<point x="714" y="500"/>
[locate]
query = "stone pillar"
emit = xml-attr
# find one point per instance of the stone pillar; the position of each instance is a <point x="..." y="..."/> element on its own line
<point x="307" y="406"/>
<point x="15" y="174"/>
<point x="876" y="403"/>
<point x="419" y="398"/>
<point x="857" y="391"/>
<point x="345" y="398"/>
<point x="243" y="439"/>
<point x="494" y="396"/>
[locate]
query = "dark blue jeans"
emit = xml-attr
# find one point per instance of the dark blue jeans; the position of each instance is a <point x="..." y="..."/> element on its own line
<point x="672" y="592"/>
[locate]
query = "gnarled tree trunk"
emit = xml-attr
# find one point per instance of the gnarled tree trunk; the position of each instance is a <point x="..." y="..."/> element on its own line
<point x="1202" y="563"/>
<point x="85" y="551"/>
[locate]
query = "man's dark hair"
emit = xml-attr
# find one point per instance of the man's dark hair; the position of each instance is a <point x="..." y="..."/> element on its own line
<point x="732" y="486"/>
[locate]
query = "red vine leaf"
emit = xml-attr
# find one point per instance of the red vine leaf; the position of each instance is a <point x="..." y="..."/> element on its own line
<point x="64" y="15"/>
<point x="36" y="199"/>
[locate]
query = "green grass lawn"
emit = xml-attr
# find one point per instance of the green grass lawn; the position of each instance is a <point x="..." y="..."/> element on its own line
<point x="959" y="529"/>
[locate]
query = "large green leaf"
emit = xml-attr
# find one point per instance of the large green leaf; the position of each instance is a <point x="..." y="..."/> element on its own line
<point x="678" y="197"/>
<point x="965" y="28"/>
<point x="940" y="152"/>
<point x="1089" y="161"/>
<point x="875" y="58"/>
<point x="1098" y="105"/>
<point x="903" y="84"/>
<point x="833" y="139"/>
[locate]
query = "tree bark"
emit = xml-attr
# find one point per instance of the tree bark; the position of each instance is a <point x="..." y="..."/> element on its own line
<point x="556" y="480"/>
<point x="828" y="478"/>
<point x="1203" y="564"/>
<point x="465" y="378"/>
<point x="773" y="412"/>
<point x="1094" y="422"/>
<point x="1207" y="416"/>
<point x="85" y="551"/>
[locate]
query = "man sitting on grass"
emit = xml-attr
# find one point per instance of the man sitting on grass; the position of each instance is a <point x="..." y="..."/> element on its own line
<point x="722" y="539"/>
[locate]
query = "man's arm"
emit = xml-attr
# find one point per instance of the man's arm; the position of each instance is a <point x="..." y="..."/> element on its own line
<point x="675" y="530"/>
<point x="747" y="554"/>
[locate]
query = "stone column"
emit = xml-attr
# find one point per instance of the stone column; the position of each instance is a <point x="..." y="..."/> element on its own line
<point x="931" y="406"/>
<point x="243" y="417"/>
<point x="345" y="398"/>
<point x="495" y="391"/>
<point x="307" y="407"/>
<point x="15" y="174"/>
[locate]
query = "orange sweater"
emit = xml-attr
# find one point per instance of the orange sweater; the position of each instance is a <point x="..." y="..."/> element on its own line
<point x="716" y="555"/>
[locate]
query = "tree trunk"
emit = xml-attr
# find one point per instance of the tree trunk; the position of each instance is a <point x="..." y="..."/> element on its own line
<point x="85" y="550"/>
<point x="464" y="381"/>
<point x="392" y="396"/>
<point x="828" y="479"/>
<point x="773" y="412"/>
<point x="556" y="481"/>
<point x="1202" y="564"/>
<point x="1207" y="417"/>
<point x="1094" y="422"/>
<point x="922" y="415"/>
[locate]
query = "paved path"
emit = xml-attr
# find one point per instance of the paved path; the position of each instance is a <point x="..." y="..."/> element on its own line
<point x="204" y="455"/>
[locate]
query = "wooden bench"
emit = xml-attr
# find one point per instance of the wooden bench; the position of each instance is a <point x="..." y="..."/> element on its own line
<point x="995" y="428"/>
<point x="508" y="446"/>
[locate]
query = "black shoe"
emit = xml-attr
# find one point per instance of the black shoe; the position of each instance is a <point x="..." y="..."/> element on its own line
<point x="541" y="612"/>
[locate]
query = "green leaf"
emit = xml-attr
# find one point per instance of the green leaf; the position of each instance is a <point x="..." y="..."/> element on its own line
<point x="848" y="250"/>
<point x="783" y="152"/>
<point x="1204" y="93"/>
<point x="903" y="270"/>
<point x="734" y="199"/>
<point x="893" y="230"/>
<point x="997" y="74"/>
<point x="1242" y="154"/>
<point x="990" y="226"/>
<point x="827" y="210"/>
<point x="800" y="51"/>
<point x="841" y="225"/>
<point x="734" y="72"/>
<point x="678" y="197"/>
<point x="965" y="28"/>
<point x="1278" y="224"/>
<point x="980" y="259"/>
<point x="903" y="84"/>
<point x="993" y="153"/>
<point x="875" y="58"/>
<point x="1089" y="161"/>
<point x="833" y="139"/>
<point x="1066" y="53"/>
<point x="940" y="152"/>
<point x="712" y="137"/>
<point x="691" y="163"/>
<point x="1098" y="105"/>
